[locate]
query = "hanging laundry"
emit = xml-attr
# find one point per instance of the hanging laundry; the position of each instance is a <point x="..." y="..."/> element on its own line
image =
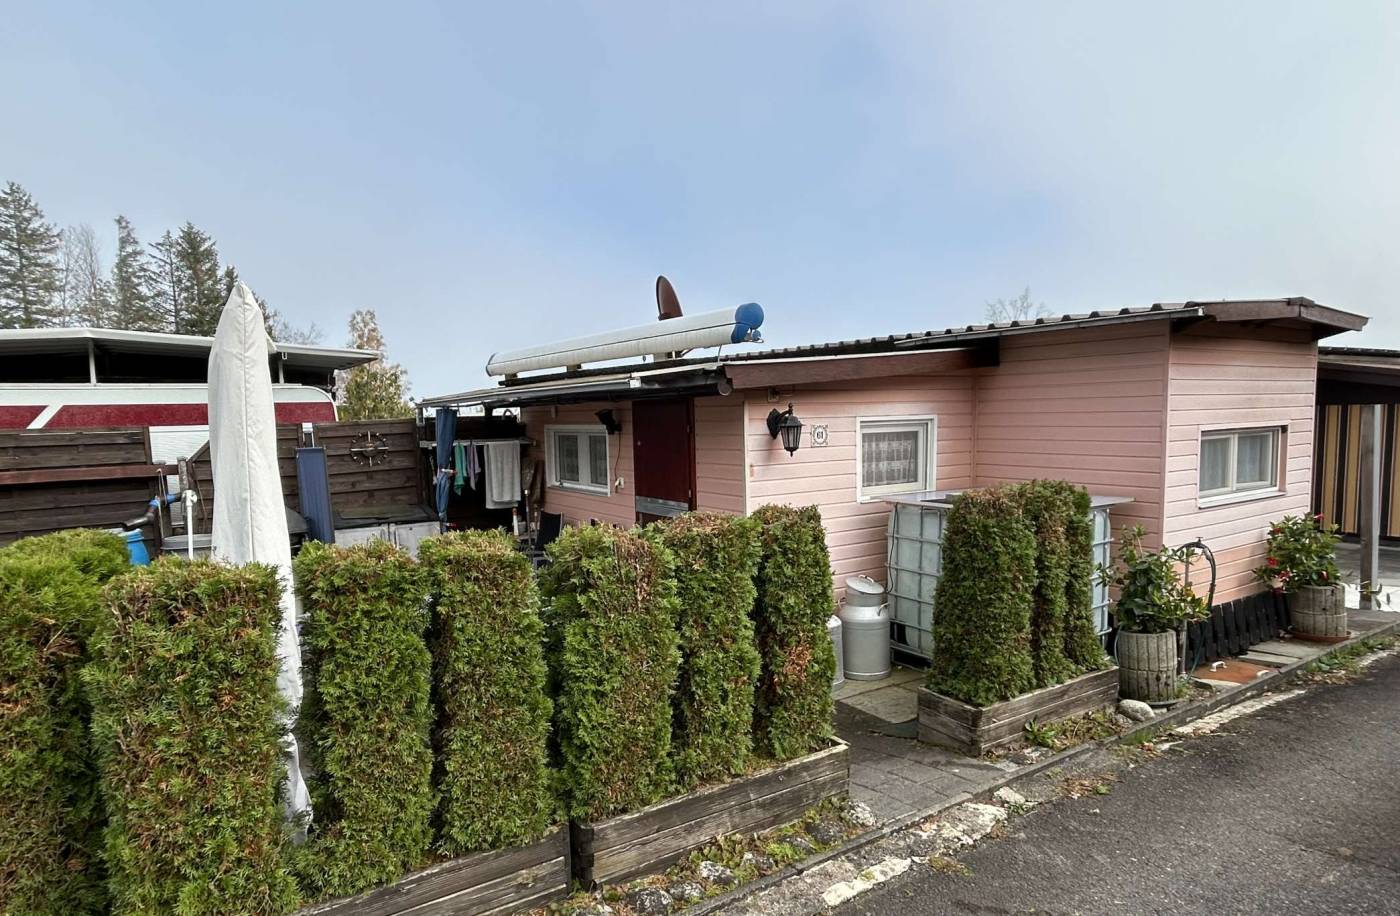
<point x="473" y="465"/>
<point x="502" y="474"/>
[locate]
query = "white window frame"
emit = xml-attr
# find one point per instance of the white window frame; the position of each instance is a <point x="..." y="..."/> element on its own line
<point x="585" y="463"/>
<point x="1234" y="492"/>
<point x="925" y="423"/>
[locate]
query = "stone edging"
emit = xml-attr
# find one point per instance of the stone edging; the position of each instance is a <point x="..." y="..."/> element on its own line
<point x="1182" y="714"/>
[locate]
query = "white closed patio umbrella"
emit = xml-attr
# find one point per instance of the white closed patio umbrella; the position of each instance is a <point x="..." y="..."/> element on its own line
<point x="250" y="523"/>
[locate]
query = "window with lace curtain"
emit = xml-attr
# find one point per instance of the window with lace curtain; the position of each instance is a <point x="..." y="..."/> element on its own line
<point x="1236" y="463"/>
<point x="894" y="455"/>
<point x="576" y="458"/>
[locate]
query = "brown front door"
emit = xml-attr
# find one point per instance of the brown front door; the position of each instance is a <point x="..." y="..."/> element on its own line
<point x="663" y="442"/>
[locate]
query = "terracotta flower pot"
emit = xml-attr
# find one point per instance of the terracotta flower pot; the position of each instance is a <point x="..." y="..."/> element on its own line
<point x="1147" y="666"/>
<point x="1318" y="610"/>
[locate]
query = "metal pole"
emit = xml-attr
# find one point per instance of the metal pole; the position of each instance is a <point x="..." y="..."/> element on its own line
<point x="1370" y="516"/>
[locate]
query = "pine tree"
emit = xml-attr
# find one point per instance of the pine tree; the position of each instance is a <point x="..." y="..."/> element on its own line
<point x="30" y="275"/>
<point x="167" y="291"/>
<point x="133" y="299"/>
<point x="204" y="286"/>
<point x="376" y="390"/>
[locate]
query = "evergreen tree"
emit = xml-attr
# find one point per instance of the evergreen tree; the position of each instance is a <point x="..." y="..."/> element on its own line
<point x="133" y="300"/>
<point x="204" y="285"/>
<point x="376" y="390"/>
<point x="167" y="291"/>
<point x="30" y="275"/>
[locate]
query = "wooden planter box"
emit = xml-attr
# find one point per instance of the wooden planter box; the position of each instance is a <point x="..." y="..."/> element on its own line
<point x="622" y="847"/>
<point x="973" y="730"/>
<point x="497" y="882"/>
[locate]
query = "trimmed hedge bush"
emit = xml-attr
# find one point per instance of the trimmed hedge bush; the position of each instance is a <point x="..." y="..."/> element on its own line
<point x="493" y="714"/>
<point x="1048" y="506"/>
<point x="793" y="707"/>
<point x="716" y="558"/>
<point x="614" y="661"/>
<point x="189" y="724"/>
<point x="50" y="811"/>
<point x="365" y="716"/>
<point x="1083" y="647"/>
<point x="981" y="630"/>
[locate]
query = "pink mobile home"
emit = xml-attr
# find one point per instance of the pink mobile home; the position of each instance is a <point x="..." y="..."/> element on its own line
<point x="1200" y="412"/>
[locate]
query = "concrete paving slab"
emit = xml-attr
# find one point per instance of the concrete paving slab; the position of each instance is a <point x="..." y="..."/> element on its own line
<point x="1289" y="648"/>
<point x="1233" y="671"/>
<point x="1256" y="657"/>
<point x="898" y="703"/>
<point x="899" y="675"/>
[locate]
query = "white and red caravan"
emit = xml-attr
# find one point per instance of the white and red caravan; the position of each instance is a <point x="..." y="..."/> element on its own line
<point x="53" y="378"/>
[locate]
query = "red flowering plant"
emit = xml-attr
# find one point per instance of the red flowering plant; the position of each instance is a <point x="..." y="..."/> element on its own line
<point x="1302" y="552"/>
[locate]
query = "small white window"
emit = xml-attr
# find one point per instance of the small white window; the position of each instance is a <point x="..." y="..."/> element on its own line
<point x="576" y="458"/>
<point x="1239" y="462"/>
<point x="894" y="455"/>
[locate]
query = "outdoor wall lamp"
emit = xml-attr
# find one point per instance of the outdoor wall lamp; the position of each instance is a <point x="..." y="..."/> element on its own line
<point x="785" y="424"/>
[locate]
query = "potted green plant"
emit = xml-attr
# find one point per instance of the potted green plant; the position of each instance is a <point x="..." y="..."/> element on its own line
<point x="1302" y="563"/>
<point x="1153" y="603"/>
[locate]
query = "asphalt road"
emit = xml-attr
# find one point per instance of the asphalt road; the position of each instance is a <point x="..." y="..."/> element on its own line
<point x="1295" y="809"/>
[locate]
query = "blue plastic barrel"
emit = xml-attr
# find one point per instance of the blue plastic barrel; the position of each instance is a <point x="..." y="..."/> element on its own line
<point x="136" y="547"/>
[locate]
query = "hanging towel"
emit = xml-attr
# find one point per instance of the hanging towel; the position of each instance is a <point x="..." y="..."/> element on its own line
<point x="459" y="466"/>
<point x="473" y="466"/>
<point x="502" y="474"/>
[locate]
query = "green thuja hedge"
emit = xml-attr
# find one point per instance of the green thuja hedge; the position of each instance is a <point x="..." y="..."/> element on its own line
<point x="365" y="716"/>
<point x="50" y="811"/>
<point x="493" y="713"/>
<point x="1049" y="507"/>
<point x="613" y="606"/>
<point x="716" y="559"/>
<point x="189" y="724"/>
<point x="1082" y="645"/>
<point x="792" y="706"/>
<point x="982" y="627"/>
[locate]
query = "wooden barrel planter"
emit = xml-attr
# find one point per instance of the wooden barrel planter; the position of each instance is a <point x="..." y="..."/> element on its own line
<point x="622" y="847"/>
<point x="1318" y="610"/>
<point x="498" y="882"/>
<point x="1147" y="666"/>
<point x="974" y="730"/>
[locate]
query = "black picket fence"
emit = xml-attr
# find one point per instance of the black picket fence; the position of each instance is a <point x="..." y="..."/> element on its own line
<point x="1234" y="626"/>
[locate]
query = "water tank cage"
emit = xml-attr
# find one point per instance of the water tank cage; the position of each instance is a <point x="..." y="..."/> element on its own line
<point x="914" y="561"/>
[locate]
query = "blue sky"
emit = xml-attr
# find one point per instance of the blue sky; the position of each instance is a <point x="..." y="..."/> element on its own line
<point x="493" y="175"/>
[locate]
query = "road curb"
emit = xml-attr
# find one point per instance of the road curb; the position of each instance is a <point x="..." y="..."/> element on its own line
<point x="1187" y="712"/>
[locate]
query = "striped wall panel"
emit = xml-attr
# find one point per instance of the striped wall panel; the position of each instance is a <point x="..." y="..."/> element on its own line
<point x="1337" y="467"/>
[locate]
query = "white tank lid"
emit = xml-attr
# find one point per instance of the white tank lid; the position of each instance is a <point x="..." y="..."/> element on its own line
<point x="864" y="585"/>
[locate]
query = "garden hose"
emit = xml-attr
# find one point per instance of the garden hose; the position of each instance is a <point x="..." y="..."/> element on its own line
<point x="1198" y="657"/>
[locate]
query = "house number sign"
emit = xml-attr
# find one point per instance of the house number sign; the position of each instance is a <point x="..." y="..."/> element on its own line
<point x="820" y="435"/>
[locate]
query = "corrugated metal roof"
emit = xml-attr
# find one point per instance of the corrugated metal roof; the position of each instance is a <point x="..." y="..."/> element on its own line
<point x="57" y="340"/>
<point x="935" y="339"/>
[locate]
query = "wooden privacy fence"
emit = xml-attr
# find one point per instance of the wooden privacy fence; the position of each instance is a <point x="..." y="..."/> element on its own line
<point x="1337" y="467"/>
<point x="369" y="463"/>
<point x="73" y="478"/>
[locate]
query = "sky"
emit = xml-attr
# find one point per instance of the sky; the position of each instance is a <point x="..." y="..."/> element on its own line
<point x="495" y="175"/>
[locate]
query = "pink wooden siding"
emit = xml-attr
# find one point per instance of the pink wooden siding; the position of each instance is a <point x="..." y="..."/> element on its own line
<point x="826" y="477"/>
<point x="719" y="454"/>
<point x="1087" y="406"/>
<point x="1223" y="377"/>
<point x="719" y="460"/>
<point x="618" y="507"/>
